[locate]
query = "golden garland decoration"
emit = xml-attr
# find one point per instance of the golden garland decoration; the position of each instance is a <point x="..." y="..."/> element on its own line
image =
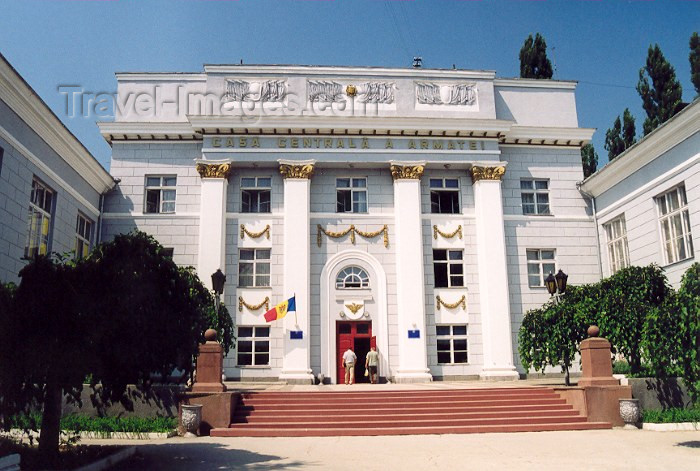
<point x="352" y="230"/>
<point x="255" y="235"/>
<point x="437" y="231"/>
<point x="253" y="307"/>
<point x="462" y="301"/>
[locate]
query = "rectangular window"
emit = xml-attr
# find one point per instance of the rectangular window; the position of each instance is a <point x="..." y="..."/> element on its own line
<point x="534" y="195"/>
<point x="83" y="236"/>
<point x="448" y="268"/>
<point x="254" y="268"/>
<point x="351" y="195"/>
<point x="253" y="346"/>
<point x="675" y="225"/>
<point x="160" y="194"/>
<point x="540" y="263"/>
<point x="2" y="154"/>
<point x="255" y="194"/>
<point x="39" y="224"/>
<point x="451" y="344"/>
<point x="618" y="253"/>
<point x="168" y="252"/>
<point x="444" y="195"/>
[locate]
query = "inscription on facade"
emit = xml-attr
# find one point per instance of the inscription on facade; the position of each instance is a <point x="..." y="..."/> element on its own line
<point x="355" y="143"/>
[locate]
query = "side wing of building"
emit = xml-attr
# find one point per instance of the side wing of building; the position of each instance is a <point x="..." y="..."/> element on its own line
<point x="648" y="200"/>
<point x="50" y="185"/>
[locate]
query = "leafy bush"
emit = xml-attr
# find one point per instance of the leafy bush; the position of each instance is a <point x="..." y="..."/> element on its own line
<point x="672" y="415"/>
<point x="621" y="367"/>
<point x="688" y="333"/>
<point x="84" y="423"/>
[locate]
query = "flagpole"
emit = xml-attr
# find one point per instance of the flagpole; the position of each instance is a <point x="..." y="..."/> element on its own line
<point x="296" y="321"/>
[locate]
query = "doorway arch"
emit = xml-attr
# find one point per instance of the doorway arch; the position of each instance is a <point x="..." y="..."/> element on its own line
<point x="329" y="315"/>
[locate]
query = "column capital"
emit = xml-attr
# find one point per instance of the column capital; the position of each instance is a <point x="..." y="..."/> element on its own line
<point x="297" y="169"/>
<point x="487" y="173"/>
<point x="214" y="168"/>
<point x="412" y="171"/>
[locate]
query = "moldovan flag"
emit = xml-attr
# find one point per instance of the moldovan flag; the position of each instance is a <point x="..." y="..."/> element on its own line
<point x="281" y="310"/>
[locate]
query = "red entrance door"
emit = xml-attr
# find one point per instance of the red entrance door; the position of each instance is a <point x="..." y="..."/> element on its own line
<point x="357" y="335"/>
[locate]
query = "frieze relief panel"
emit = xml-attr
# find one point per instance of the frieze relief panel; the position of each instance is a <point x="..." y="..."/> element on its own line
<point x="460" y="94"/>
<point x="324" y="91"/>
<point x="321" y="91"/>
<point x="263" y="91"/>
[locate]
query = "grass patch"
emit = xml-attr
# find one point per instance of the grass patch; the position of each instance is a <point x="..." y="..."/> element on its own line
<point x="671" y="415"/>
<point x="68" y="458"/>
<point x="84" y="423"/>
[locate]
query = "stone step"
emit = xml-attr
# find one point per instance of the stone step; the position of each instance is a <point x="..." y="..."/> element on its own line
<point x="417" y="402"/>
<point x="430" y="430"/>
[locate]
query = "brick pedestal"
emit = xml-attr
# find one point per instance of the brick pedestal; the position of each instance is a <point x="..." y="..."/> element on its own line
<point x="596" y="363"/>
<point x="209" y="368"/>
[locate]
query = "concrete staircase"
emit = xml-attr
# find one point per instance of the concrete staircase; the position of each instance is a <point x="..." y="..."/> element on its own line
<point x="405" y="412"/>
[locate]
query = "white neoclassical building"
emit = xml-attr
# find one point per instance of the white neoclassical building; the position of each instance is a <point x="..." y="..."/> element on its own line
<point x="418" y="210"/>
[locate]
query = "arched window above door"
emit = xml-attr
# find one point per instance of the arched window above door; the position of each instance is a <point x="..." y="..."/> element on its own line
<point x="352" y="277"/>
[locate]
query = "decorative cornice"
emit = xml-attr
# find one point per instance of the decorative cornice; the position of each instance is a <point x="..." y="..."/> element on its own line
<point x="24" y="101"/>
<point x="214" y="170"/>
<point x="304" y="171"/>
<point x="406" y="172"/>
<point x="487" y="173"/>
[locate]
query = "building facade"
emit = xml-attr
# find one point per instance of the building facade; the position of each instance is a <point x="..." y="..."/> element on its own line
<point x="418" y="210"/>
<point x="647" y="200"/>
<point x="51" y="187"/>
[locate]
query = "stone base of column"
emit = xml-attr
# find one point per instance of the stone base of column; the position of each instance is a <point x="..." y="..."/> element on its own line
<point x="499" y="374"/>
<point x="413" y="376"/>
<point x="297" y="377"/>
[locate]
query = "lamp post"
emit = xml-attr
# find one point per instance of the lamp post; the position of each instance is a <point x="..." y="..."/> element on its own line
<point x="217" y="281"/>
<point x="556" y="285"/>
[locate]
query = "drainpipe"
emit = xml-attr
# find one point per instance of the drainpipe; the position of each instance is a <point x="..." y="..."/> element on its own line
<point x="102" y="203"/>
<point x="595" y="221"/>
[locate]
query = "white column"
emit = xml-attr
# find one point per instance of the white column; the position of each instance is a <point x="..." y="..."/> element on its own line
<point x="410" y="282"/>
<point x="493" y="274"/>
<point x="296" y="364"/>
<point x="212" y="218"/>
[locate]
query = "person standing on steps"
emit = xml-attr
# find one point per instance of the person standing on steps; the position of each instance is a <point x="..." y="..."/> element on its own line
<point x="349" y="359"/>
<point x="371" y="363"/>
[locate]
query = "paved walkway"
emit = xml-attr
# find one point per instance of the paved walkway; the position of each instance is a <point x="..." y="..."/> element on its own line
<point x="597" y="449"/>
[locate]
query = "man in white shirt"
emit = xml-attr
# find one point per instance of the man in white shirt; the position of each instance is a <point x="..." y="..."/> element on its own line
<point x="349" y="359"/>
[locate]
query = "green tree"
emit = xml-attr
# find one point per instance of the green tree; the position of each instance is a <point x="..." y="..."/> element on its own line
<point x="689" y="329"/>
<point x="119" y="316"/>
<point x="694" y="58"/>
<point x="621" y="136"/>
<point x="589" y="160"/>
<point x="661" y="99"/>
<point x="533" y="59"/>
<point x="627" y="298"/>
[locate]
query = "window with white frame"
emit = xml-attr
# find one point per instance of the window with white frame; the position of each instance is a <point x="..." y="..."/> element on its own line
<point x="254" y="268"/>
<point x="253" y="346"/>
<point x="83" y="236"/>
<point x="534" y="195"/>
<point x="674" y="222"/>
<point x="352" y="278"/>
<point x="255" y="194"/>
<point x="39" y="224"/>
<point x="351" y="195"/>
<point x="444" y="195"/>
<point x="452" y="344"/>
<point x="160" y="194"/>
<point x="540" y="263"/>
<point x="618" y="253"/>
<point x="448" y="267"/>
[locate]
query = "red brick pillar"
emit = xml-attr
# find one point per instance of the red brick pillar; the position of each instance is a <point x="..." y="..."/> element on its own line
<point x="210" y="363"/>
<point x="596" y="361"/>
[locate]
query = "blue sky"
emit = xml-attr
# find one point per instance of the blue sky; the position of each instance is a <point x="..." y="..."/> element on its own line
<point x="600" y="43"/>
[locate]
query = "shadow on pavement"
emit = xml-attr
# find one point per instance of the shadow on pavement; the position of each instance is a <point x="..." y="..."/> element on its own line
<point x="201" y="456"/>
<point x="691" y="444"/>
